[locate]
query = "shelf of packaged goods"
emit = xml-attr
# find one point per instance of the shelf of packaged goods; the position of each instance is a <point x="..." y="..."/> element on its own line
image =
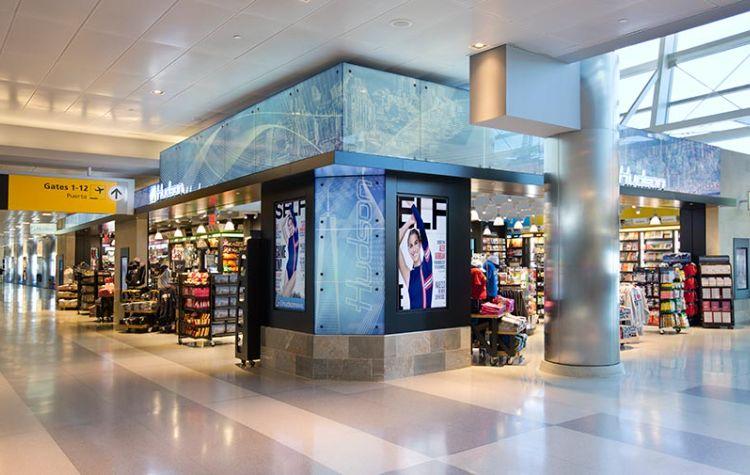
<point x="198" y="310"/>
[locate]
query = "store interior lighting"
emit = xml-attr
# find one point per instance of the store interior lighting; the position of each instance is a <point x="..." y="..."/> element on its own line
<point x="487" y="231"/>
<point x="229" y="226"/>
<point x="499" y="221"/>
<point x="201" y="229"/>
<point x="178" y="233"/>
<point x="518" y="226"/>
<point x="474" y="214"/>
<point x="655" y="221"/>
<point x="158" y="236"/>
<point x="534" y="228"/>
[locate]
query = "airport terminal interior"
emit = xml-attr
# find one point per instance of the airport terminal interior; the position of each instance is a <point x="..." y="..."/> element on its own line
<point x="374" y="237"/>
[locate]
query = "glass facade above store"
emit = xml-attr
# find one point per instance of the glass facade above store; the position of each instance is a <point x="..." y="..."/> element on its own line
<point x="353" y="109"/>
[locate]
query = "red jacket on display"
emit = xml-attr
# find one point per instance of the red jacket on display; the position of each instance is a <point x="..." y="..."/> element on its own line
<point x="478" y="284"/>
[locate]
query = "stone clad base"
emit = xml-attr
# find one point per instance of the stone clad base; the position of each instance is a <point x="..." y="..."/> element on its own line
<point x="365" y="357"/>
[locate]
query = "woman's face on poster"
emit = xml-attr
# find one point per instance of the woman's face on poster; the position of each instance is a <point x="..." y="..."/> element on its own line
<point x="289" y="224"/>
<point x="414" y="246"/>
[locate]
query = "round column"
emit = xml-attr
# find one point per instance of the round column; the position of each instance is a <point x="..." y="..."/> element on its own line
<point x="582" y="266"/>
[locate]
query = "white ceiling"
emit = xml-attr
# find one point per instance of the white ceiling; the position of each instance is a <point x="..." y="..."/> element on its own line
<point x="90" y="65"/>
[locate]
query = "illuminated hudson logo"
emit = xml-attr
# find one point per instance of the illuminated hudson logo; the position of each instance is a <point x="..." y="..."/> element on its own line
<point x="628" y="178"/>
<point x="160" y="191"/>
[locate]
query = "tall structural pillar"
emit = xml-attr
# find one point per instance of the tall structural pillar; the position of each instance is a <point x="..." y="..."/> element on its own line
<point x="582" y="265"/>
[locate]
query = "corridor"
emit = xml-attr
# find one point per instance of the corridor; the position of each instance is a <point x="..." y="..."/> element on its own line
<point x="76" y="397"/>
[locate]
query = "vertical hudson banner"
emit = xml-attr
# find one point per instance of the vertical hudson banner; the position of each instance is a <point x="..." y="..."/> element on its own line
<point x="289" y="232"/>
<point x="349" y="255"/>
<point x="422" y="252"/>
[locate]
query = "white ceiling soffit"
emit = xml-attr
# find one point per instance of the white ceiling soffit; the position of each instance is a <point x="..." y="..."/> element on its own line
<point x="95" y="65"/>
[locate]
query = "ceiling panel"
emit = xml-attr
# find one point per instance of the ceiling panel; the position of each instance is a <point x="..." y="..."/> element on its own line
<point x="186" y="23"/>
<point x="43" y="40"/>
<point x="252" y="30"/>
<point x="23" y="68"/>
<point x="14" y="96"/>
<point x="52" y="100"/>
<point x="129" y="18"/>
<point x="91" y="106"/>
<point x="188" y="69"/>
<point x="285" y="11"/>
<point x="69" y="12"/>
<point x="117" y="84"/>
<point x="101" y="59"/>
<point x="71" y="75"/>
<point x="146" y="58"/>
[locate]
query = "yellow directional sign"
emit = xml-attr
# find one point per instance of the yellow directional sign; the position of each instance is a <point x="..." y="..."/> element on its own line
<point x="66" y="195"/>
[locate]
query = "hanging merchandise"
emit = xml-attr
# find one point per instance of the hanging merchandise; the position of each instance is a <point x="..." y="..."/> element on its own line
<point x="633" y="298"/>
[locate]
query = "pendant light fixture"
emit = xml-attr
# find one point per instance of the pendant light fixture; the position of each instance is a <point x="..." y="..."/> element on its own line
<point x="518" y="225"/>
<point x="533" y="229"/>
<point x="178" y="233"/>
<point x="474" y="214"/>
<point x="499" y="221"/>
<point x="229" y="225"/>
<point x="655" y="221"/>
<point x="201" y="229"/>
<point x="487" y="231"/>
<point x="158" y="236"/>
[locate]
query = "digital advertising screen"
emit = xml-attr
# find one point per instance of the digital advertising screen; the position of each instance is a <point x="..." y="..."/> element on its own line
<point x="422" y="252"/>
<point x="289" y="233"/>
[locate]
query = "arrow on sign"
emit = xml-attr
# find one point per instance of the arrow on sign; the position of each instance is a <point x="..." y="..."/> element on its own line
<point x="117" y="193"/>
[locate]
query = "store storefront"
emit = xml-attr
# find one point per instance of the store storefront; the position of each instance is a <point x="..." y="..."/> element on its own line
<point x="357" y="259"/>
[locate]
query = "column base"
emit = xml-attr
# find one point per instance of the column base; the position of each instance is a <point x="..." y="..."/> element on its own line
<point x="581" y="371"/>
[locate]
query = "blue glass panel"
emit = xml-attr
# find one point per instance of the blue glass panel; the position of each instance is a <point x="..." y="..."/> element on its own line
<point x="446" y="135"/>
<point x="514" y="152"/>
<point x="300" y="122"/>
<point x="381" y="113"/>
<point x="649" y="160"/>
<point x="297" y="123"/>
<point x="349" y="255"/>
<point x="239" y="134"/>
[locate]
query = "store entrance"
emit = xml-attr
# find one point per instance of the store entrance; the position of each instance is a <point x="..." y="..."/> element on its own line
<point x="660" y="244"/>
<point x="507" y="269"/>
<point x="192" y="282"/>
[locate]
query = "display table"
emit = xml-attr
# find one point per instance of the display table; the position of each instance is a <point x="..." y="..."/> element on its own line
<point x="496" y="348"/>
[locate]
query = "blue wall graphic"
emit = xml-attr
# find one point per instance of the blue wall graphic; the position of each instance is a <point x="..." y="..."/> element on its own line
<point x="349" y="255"/>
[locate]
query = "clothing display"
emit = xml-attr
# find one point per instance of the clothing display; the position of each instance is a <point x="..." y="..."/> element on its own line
<point x="633" y="298"/>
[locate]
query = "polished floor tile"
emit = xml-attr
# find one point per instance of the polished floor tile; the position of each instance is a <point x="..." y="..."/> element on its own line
<point x="77" y="397"/>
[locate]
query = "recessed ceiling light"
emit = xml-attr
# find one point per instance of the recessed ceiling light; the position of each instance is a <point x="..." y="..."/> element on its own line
<point x="237" y="37"/>
<point x="478" y="45"/>
<point x="157" y="92"/>
<point x="622" y="21"/>
<point x="401" y="23"/>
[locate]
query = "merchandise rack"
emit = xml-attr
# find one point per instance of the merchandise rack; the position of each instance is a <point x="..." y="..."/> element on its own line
<point x="630" y="254"/>
<point x="139" y="309"/>
<point x="716" y="301"/>
<point x="671" y="285"/>
<point x="211" y="316"/>
<point x="87" y="290"/>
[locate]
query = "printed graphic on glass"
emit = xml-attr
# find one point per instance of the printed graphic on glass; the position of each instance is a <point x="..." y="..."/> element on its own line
<point x="422" y="252"/>
<point x="349" y="255"/>
<point x="290" y="254"/>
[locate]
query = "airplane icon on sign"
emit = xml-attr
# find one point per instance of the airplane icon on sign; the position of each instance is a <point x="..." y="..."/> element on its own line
<point x="99" y="189"/>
